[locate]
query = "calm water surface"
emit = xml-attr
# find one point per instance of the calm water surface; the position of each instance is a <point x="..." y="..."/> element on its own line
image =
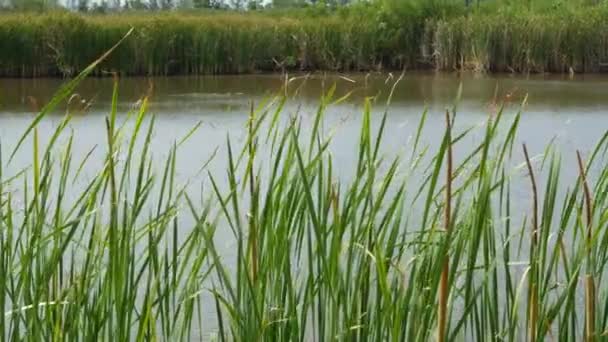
<point x="572" y="113"/>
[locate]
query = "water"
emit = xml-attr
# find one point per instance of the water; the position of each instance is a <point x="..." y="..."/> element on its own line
<point x="568" y="112"/>
<point x="571" y="113"/>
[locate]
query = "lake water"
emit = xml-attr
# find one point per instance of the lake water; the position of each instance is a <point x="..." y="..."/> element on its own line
<point x="571" y="113"/>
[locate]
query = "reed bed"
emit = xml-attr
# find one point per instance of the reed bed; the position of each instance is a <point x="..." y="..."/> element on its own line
<point x="130" y="253"/>
<point x="167" y="44"/>
<point x="389" y="35"/>
<point x="564" y="40"/>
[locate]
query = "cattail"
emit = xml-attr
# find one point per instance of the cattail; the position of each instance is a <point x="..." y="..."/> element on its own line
<point x="589" y="282"/>
<point x="533" y="299"/>
<point x="443" y="285"/>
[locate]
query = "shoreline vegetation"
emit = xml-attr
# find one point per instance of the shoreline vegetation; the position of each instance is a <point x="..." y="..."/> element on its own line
<point x="426" y="245"/>
<point x="489" y="36"/>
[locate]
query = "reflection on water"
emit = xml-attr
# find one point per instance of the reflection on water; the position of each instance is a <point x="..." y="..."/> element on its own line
<point x="232" y="92"/>
<point x="571" y="113"/>
<point x="568" y="112"/>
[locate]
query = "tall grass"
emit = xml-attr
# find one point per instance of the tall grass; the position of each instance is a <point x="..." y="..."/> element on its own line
<point x="444" y="35"/>
<point x="130" y="253"/>
<point x="516" y="40"/>
<point x="167" y="44"/>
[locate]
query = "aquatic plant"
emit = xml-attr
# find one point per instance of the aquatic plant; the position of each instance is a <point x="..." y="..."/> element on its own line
<point x="130" y="252"/>
<point x="166" y="44"/>
<point x="564" y="40"/>
<point x="392" y="35"/>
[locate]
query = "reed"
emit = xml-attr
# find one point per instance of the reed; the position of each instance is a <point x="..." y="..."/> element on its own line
<point x="590" y="333"/>
<point x="443" y="286"/>
<point x="132" y="253"/>
<point x="555" y="40"/>
<point x="388" y="35"/>
<point x="62" y="44"/>
<point x="533" y="289"/>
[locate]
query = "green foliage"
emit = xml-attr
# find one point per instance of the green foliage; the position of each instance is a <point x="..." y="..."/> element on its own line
<point x="206" y="43"/>
<point x="83" y="5"/>
<point x="132" y="253"/>
<point x="558" y="40"/>
<point x="32" y="5"/>
<point x="501" y="35"/>
<point x="287" y="3"/>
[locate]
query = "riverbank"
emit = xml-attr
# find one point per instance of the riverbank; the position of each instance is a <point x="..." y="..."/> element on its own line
<point x="369" y="38"/>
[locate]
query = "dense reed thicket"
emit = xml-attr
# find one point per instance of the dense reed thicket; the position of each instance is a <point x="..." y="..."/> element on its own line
<point x="165" y="44"/>
<point x="392" y="35"/>
<point x="524" y="41"/>
<point x="129" y="252"/>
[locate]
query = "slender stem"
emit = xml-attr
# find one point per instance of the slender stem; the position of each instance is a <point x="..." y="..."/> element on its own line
<point x="253" y="232"/>
<point x="443" y="286"/>
<point x="587" y="191"/>
<point x="533" y="302"/>
<point x="589" y="281"/>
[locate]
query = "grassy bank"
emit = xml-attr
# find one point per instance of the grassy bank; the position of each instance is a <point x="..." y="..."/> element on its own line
<point x="444" y="35"/>
<point x="165" y="44"/>
<point x="129" y="252"/>
<point x="555" y="40"/>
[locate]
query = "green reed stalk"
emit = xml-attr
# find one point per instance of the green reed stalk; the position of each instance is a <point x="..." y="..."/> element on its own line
<point x="590" y="334"/>
<point x="131" y="252"/>
<point x="443" y="286"/>
<point x="532" y="287"/>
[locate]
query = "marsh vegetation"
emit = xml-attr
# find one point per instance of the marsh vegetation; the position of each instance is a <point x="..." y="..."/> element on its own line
<point x="485" y="36"/>
<point x="412" y="245"/>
